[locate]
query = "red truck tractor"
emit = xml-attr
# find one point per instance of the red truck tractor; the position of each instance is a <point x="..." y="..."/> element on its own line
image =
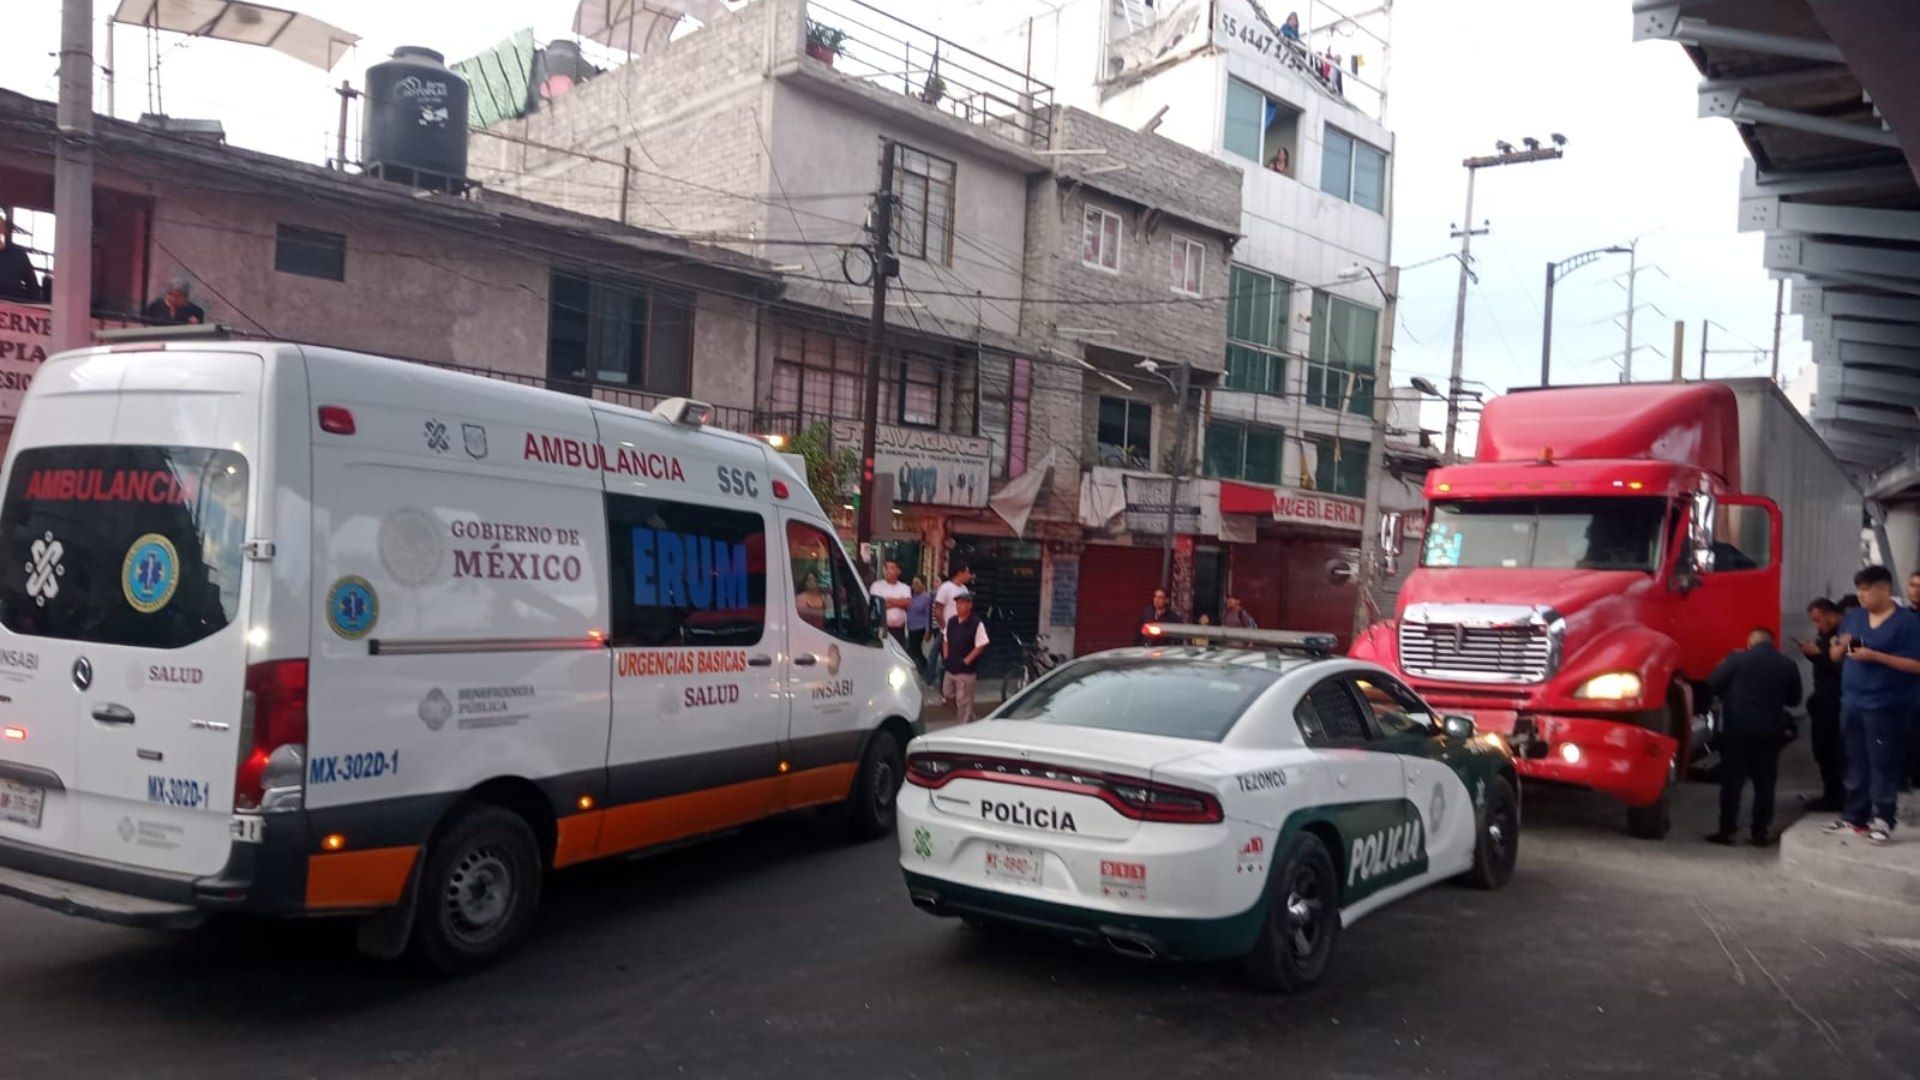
<point x="1607" y="546"/>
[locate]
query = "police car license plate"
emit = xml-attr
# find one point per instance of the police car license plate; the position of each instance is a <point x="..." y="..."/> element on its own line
<point x="21" y="803"/>
<point x="1011" y="862"/>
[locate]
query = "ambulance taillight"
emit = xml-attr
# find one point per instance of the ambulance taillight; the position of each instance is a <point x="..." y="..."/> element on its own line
<point x="273" y="749"/>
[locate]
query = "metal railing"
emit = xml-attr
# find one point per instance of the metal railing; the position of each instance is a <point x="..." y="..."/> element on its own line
<point x="894" y="54"/>
<point x="728" y="417"/>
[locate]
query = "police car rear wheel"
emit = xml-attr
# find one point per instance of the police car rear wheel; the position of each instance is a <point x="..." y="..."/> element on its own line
<point x="877" y="787"/>
<point x="478" y="890"/>
<point x="1498" y="844"/>
<point x="1302" y="922"/>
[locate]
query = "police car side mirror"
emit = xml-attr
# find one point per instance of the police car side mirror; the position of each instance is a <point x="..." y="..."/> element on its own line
<point x="1457" y="727"/>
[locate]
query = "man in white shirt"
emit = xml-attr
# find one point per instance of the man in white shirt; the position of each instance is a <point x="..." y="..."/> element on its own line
<point x="897" y="595"/>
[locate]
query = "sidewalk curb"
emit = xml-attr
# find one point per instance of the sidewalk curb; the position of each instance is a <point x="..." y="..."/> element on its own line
<point x="1847" y="863"/>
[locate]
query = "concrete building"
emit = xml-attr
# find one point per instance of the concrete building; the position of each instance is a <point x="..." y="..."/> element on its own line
<point x="486" y="282"/>
<point x="1286" y="430"/>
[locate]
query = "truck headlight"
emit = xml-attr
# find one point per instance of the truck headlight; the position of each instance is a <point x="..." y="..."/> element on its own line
<point x="1612" y="686"/>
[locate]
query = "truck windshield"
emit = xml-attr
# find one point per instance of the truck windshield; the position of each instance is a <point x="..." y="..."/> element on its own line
<point x="1546" y="534"/>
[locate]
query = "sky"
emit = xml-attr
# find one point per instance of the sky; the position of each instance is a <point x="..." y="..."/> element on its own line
<point x="1463" y="74"/>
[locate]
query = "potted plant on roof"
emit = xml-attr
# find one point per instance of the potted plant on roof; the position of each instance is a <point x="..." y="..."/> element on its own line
<point x="824" y="42"/>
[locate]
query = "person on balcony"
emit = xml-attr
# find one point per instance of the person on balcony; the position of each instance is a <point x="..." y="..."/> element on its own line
<point x="176" y="307"/>
<point x="17" y="278"/>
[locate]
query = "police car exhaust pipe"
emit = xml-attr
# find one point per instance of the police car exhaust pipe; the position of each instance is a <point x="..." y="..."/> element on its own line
<point x="1127" y="945"/>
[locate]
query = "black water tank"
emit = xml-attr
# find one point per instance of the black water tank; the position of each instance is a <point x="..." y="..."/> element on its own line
<point x="416" y="118"/>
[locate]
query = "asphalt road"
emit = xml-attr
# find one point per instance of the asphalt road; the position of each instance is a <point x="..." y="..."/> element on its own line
<point x="784" y="952"/>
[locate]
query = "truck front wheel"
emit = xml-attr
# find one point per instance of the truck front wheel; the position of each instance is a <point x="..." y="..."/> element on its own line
<point x="1652" y="822"/>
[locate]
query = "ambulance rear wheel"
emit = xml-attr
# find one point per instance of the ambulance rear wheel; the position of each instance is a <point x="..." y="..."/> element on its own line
<point x="1302" y="921"/>
<point x="479" y="890"/>
<point x="876" y="788"/>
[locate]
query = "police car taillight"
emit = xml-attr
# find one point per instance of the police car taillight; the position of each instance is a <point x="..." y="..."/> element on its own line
<point x="927" y="770"/>
<point x="273" y="748"/>
<point x="1160" y="802"/>
<point x="1141" y="800"/>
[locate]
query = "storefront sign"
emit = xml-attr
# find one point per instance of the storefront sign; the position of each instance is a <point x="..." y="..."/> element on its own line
<point x="1147" y="505"/>
<point x="1066" y="590"/>
<point x="933" y="468"/>
<point x="1312" y="508"/>
<point x="26" y="336"/>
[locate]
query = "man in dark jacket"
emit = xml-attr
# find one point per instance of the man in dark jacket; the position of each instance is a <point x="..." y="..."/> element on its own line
<point x="1756" y="687"/>
<point x="1161" y="610"/>
<point x="1823" y="705"/>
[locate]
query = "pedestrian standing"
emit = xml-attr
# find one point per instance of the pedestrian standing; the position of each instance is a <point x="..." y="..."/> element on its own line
<point x="944" y="610"/>
<point x="1159" y="610"/>
<point x="1756" y="687"/>
<point x="898" y="596"/>
<point x="1913" y="591"/>
<point x="1237" y="617"/>
<point x="1823" y="706"/>
<point x="1878" y="650"/>
<point x="964" y="641"/>
<point x="919" y="619"/>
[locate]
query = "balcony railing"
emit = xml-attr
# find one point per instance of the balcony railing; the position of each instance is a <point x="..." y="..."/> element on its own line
<point x="744" y="421"/>
<point x="897" y="55"/>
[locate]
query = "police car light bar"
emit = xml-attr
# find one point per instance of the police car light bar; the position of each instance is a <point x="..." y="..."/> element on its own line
<point x="1316" y="644"/>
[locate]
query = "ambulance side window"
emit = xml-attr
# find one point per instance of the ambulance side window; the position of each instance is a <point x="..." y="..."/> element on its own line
<point x="826" y="591"/>
<point x="685" y="575"/>
<point x="1329" y="715"/>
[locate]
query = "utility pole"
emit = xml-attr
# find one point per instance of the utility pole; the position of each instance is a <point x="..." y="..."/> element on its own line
<point x="1180" y="389"/>
<point x="1679" y="349"/>
<point x="73" y="179"/>
<point x="1377" y="451"/>
<point x="1555" y="272"/>
<point x="1465" y="233"/>
<point x="884" y="267"/>
<point x="1779" y="307"/>
<point x="1704" y="324"/>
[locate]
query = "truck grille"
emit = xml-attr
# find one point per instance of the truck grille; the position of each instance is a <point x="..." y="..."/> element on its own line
<point x="1476" y="653"/>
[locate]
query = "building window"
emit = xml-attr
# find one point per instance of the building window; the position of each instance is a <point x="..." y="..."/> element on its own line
<point x="1260" y="129"/>
<point x="923" y="207"/>
<point x="1354" y="170"/>
<point x="1006" y="400"/>
<point x="1238" y="451"/>
<point x="310" y="253"/>
<point x="1257" y="306"/>
<point x="817" y="374"/>
<point x="619" y="335"/>
<point x="1100" y="239"/>
<point x="1342" y="352"/>
<point x="1125" y="433"/>
<point x="1340" y="465"/>
<point x="1189" y="265"/>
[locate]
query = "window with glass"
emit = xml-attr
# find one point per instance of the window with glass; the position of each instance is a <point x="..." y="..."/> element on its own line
<point x="1329" y="715"/>
<point x="1547" y="534"/>
<point x="1125" y="433"/>
<point x="1341" y="348"/>
<point x="1353" y="170"/>
<point x="1260" y="128"/>
<point x="1237" y="451"/>
<point x="1006" y="398"/>
<point x="1189" y="265"/>
<point x="684" y="574"/>
<point x="623" y="335"/>
<point x="1100" y="239"/>
<point x="1257" y="306"/>
<point x="923" y="207"/>
<point x="1340" y="465"/>
<point x="313" y="253"/>
<point x="1395" y="709"/>
<point x="1184" y="699"/>
<point x="124" y="545"/>
<point x="820" y="374"/>
<point x="827" y="593"/>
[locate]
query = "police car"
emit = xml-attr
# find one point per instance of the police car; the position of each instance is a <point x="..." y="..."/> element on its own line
<point x="1229" y="794"/>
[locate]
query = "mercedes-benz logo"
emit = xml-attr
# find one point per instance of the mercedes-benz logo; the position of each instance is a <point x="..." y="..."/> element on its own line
<point x="83" y="673"/>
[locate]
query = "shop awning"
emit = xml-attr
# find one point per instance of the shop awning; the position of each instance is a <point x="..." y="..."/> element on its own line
<point x="302" y="37"/>
<point x="1293" y="506"/>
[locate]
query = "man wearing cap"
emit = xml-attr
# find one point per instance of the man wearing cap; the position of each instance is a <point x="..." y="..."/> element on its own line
<point x="177" y="306"/>
<point x="961" y="648"/>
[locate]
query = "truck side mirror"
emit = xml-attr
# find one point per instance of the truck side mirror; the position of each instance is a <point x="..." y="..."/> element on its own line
<point x="1390" y="523"/>
<point x="1700" y="532"/>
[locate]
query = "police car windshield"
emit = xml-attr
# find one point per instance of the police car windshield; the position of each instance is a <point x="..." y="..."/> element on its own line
<point x="1181" y="698"/>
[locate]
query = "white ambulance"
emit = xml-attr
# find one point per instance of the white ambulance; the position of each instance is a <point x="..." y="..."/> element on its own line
<point x="292" y="630"/>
